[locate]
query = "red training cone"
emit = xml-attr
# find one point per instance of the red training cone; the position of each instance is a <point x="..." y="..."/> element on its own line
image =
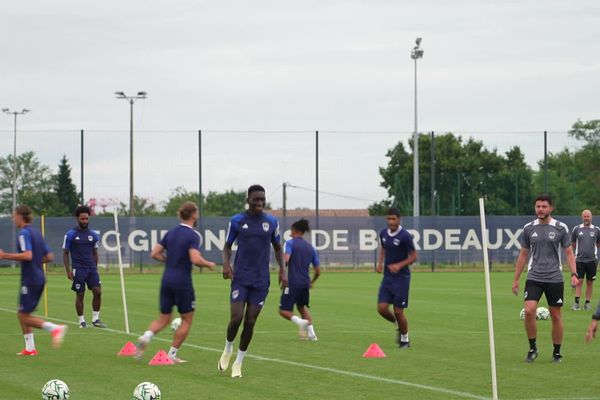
<point x="374" y="351"/>
<point x="127" y="350"/>
<point x="161" y="358"/>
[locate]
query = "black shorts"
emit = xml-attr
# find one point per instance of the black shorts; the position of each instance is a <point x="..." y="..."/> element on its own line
<point x="554" y="292"/>
<point x="298" y="296"/>
<point x="587" y="269"/>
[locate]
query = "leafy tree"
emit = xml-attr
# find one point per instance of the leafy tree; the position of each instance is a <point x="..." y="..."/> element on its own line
<point x="177" y="198"/>
<point x="588" y="131"/>
<point x="226" y="203"/>
<point x="65" y="189"/>
<point x="142" y="207"/>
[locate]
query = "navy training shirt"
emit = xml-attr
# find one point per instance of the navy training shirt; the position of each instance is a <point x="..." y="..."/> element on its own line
<point x="254" y="235"/>
<point x="31" y="239"/>
<point x="302" y="254"/>
<point x="397" y="245"/>
<point x="178" y="267"/>
<point x="81" y="244"/>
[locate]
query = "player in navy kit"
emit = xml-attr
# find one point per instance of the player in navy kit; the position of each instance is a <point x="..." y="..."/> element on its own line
<point x="32" y="251"/>
<point x="396" y="253"/>
<point x="80" y="248"/>
<point x="298" y="255"/>
<point x="182" y="246"/>
<point x="255" y="233"/>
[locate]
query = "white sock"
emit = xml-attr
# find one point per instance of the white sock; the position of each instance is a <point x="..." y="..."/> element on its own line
<point x="297" y="320"/>
<point x="147" y="336"/>
<point x="311" y="330"/>
<point x="29" y="343"/>
<point x="404" y="338"/>
<point x="49" y="326"/>
<point x="173" y="352"/>
<point x="228" y="347"/>
<point x="240" y="356"/>
<point x="81" y="318"/>
<point x="95" y="316"/>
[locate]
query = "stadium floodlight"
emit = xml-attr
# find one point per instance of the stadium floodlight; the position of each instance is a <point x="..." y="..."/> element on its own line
<point x="131" y="99"/>
<point x="416" y="53"/>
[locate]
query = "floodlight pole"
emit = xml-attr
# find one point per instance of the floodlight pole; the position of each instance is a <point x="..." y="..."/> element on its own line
<point x="416" y="53"/>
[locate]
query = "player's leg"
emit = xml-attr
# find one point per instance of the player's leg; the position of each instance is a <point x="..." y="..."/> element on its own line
<point x="554" y="295"/>
<point x="533" y="293"/>
<point x="28" y="301"/>
<point x="286" y="307"/>
<point x="400" y="301"/>
<point x="78" y="286"/>
<point x="186" y="304"/>
<point x="580" y="276"/>
<point x="589" y="287"/>
<point x="94" y="284"/>
<point x="237" y="306"/>
<point x="384" y="298"/>
<point x="167" y="301"/>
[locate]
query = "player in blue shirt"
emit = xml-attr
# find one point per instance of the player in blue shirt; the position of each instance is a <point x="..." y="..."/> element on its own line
<point x="80" y="248"/>
<point x="298" y="255"/>
<point x="182" y="247"/>
<point x="255" y="232"/>
<point x="32" y="252"/>
<point x="396" y="253"/>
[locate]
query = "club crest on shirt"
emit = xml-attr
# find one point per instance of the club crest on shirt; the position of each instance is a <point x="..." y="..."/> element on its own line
<point x="266" y="226"/>
<point x="396" y="242"/>
<point x="551" y="235"/>
<point x="592" y="234"/>
<point x="235" y="294"/>
<point x="90" y="238"/>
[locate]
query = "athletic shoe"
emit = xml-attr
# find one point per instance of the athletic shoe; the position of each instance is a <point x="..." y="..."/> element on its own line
<point x="223" y="363"/>
<point x="140" y="346"/>
<point x="556" y="358"/>
<point x="99" y="324"/>
<point x="404" y="345"/>
<point x="531" y="356"/>
<point x="83" y="324"/>
<point x="302" y="332"/>
<point x="25" y="352"/>
<point x="575" y="307"/>
<point x="587" y="307"/>
<point x="177" y="360"/>
<point x="312" y="338"/>
<point x="236" y="370"/>
<point x="58" y="335"/>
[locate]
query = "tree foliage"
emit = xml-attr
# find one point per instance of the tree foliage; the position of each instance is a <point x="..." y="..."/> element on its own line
<point x="65" y="188"/>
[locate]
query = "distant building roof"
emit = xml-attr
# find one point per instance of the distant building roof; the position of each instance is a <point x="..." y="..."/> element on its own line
<point x="305" y="212"/>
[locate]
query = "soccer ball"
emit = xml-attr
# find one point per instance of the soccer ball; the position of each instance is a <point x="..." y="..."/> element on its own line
<point x="542" y="313"/>
<point x="522" y="314"/>
<point x="55" y="390"/>
<point x="175" y="324"/>
<point x="146" y="391"/>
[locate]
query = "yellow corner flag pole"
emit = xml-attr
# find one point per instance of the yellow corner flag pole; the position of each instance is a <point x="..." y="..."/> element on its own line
<point x="45" y="272"/>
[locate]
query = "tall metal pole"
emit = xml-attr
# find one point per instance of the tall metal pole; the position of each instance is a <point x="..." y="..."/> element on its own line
<point x="200" y="171"/>
<point x="432" y="173"/>
<point x="416" y="199"/>
<point x="317" y="178"/>
<point x="82" y="197"/>
<point x="284" y="199"/>
<point x="131" y="203"/>
<point x="14" y="188"/>
<point x="545" y="162"/>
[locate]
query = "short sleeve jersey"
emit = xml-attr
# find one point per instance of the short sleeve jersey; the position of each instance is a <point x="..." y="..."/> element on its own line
<point x="545" y="243"/>
<point x="302" y="254"/>
<point x="31" y="239"/>
<point x="586" y="240"/>
<point x="254" y="235"/>
<point x="81" y="244"/>
<point x="397" y="246"/>
<point x="178" y="267"/>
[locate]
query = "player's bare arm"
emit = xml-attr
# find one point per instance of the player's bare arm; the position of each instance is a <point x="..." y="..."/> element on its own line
<point x="48" y="258"/>
<point x="379" y="268"/>
<point x="412" y="257"/>
<point x="24" y="256"/>
<point x="316" y="275"/>
<point x="283" y="280"/>
<point x="95" y="255"/>
<point x="572" y="266"/>
<point x="158" y="253"/>
<point x="227" y="270"/>
<point x="519" y="266"/>
<point x="67" y="264"/>
<point x="199" y="261"/>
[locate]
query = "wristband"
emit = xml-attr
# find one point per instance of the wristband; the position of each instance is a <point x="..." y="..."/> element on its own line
<point x="574" y="274"/>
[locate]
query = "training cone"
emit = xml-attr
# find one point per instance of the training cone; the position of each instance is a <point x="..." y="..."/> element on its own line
<point x="161" y="358"/>
<point x="127" y="350"/>
<point x="374" y="351"/>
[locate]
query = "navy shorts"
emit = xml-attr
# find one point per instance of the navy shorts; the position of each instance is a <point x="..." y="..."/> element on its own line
<point x="396" y="294"/>
<point x="184" y="298"/>
<point x="290" y="296"/>
<point x="85" y="276"/>
<point x="29" y="297"/>
<point x="248" y="294"/>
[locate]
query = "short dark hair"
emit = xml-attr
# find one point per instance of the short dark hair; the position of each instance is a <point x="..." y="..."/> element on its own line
<point x="186" y="210"/>
<point x="301" y="225"/>
<point x="255" y="188"/>
<point x="25" y="212"/>
<point x="393" y="211"/>
<point x="544" y="197"/>
<point x="82" y="210"/>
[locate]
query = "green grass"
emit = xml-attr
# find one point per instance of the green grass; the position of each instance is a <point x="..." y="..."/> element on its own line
<point x="449" y="357"/>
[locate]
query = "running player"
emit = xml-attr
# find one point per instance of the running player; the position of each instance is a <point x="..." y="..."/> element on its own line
<point x="80" y="248"/>
<point x="298" y="255"/>
<point x="32" y="251"/>
<point x="255" y="233"/>
<point x="541" y="243"/>
<point x="182" y="247"/>
<point x="396" y="253"/>
<point x="585" y="239"/>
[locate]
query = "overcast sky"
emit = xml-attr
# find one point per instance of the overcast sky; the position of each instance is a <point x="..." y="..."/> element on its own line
<point x="502" y="71"/>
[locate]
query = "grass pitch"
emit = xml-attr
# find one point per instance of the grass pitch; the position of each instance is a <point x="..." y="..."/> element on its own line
<point x="449" y="357"/>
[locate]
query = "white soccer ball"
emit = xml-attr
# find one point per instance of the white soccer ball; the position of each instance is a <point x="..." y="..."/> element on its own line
<point x="55" y="390"/>
<point x="542" y="313"/>
<point x="146" y="391"/>
<point x="175" y="324"/>
<point x="522" y="314"/>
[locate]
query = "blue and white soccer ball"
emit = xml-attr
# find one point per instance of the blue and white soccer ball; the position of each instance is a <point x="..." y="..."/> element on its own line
<point x="522" y="314"/>
<point x="542" y="313"/>
<point x="55" y="390"/>
<point x="175" y="324"/>
<point x="146" y="391"/>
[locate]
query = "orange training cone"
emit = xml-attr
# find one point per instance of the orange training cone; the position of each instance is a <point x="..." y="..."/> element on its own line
<point x="161" y="358"/>
<point x="374" y="351"/>
<point x="127" y="350"/>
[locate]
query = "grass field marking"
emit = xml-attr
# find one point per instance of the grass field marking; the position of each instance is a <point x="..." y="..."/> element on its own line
<point x="298" y="364"/>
